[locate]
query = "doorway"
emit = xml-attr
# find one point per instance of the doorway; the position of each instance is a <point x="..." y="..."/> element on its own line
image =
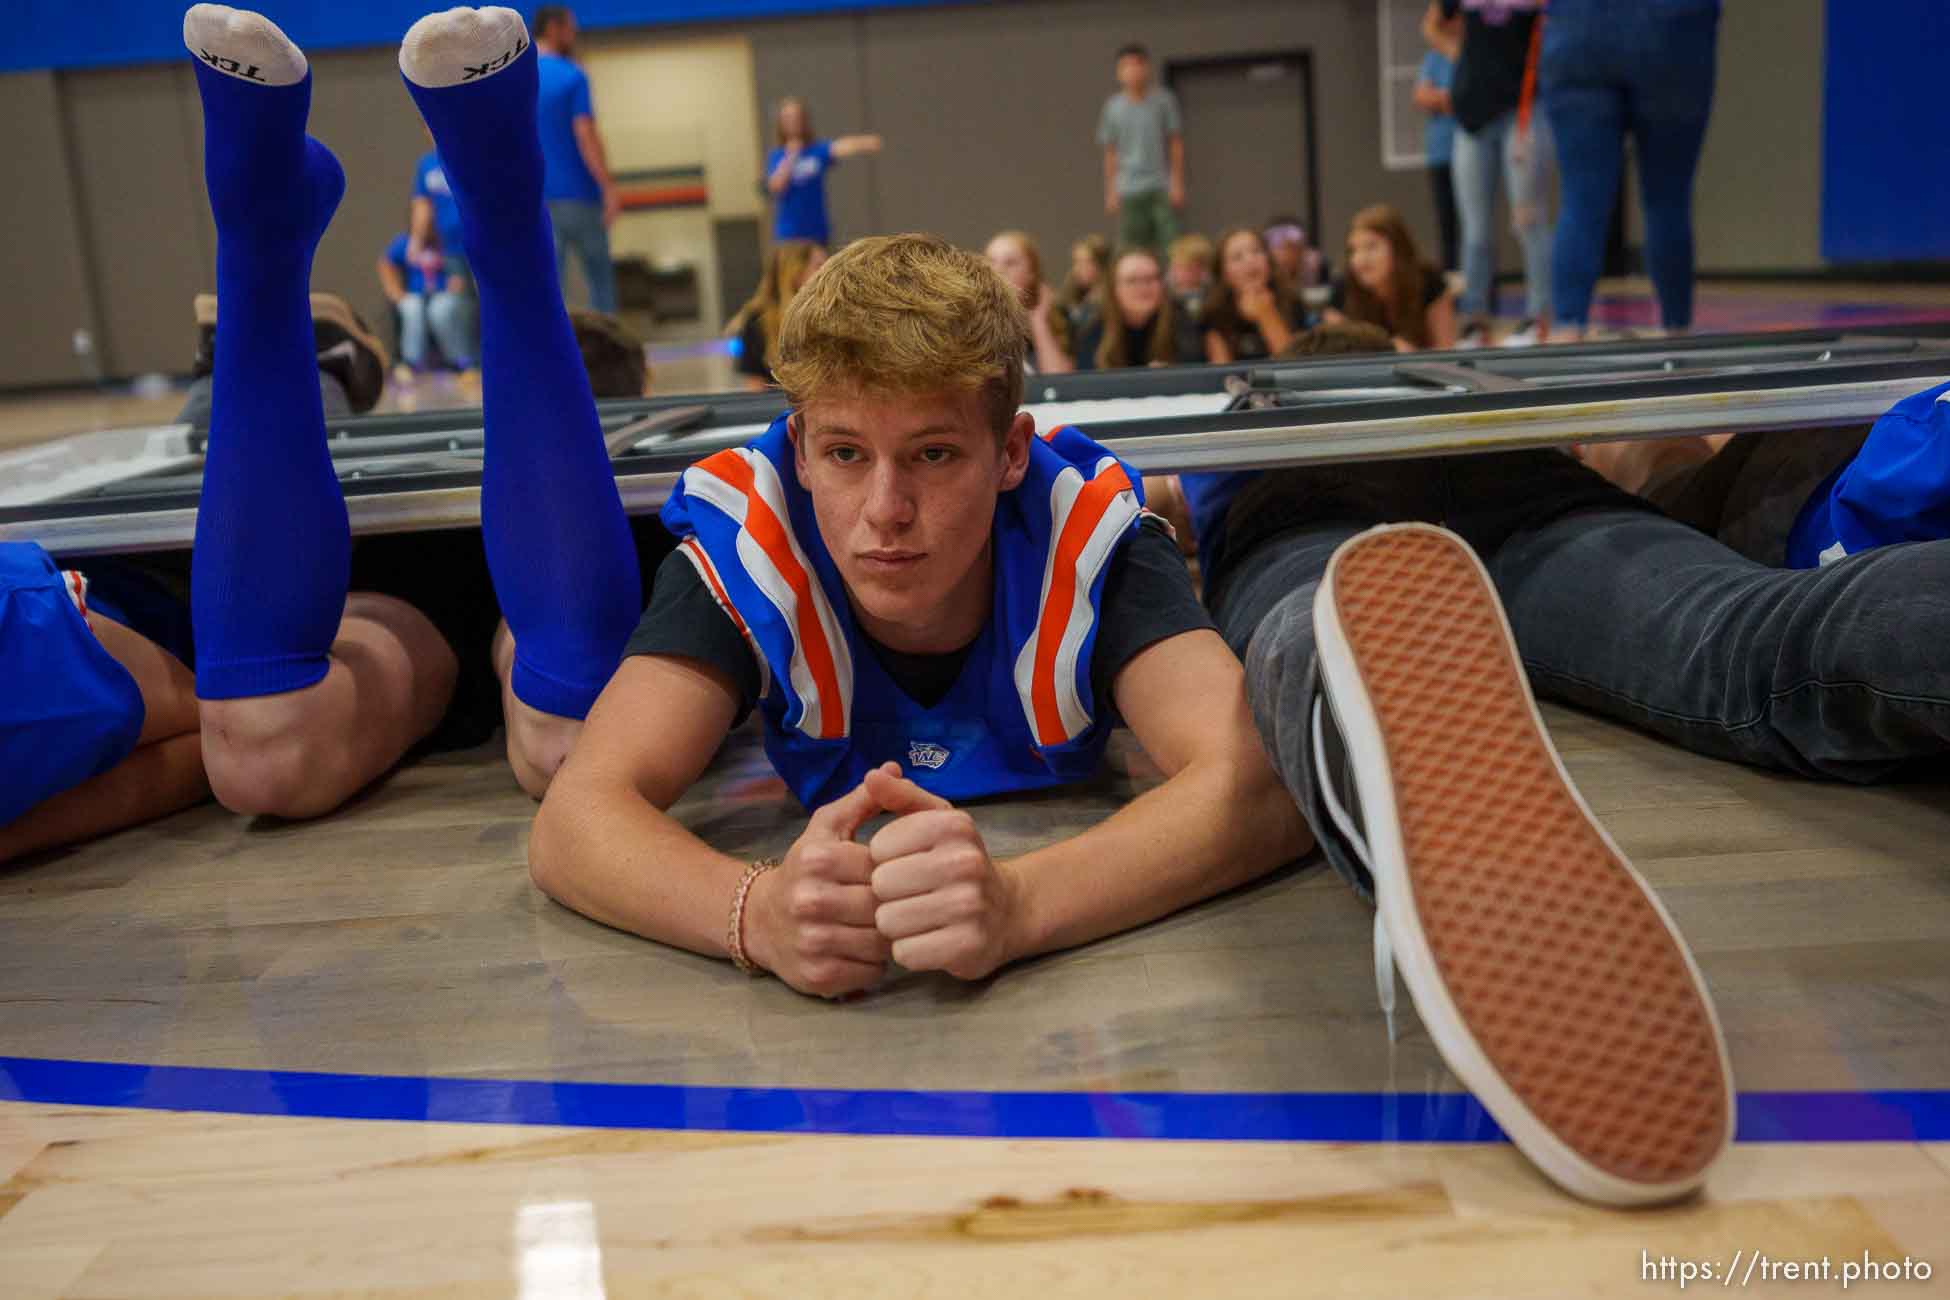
<point x="1249" y="138"/>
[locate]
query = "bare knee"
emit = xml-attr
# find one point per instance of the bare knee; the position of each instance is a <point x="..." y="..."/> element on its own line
<point x="538" y="744"/>
<point x="263" y="759"/>
<point x="303" y="753"/>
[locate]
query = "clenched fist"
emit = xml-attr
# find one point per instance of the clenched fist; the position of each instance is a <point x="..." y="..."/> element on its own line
<point x="944" y="904"/>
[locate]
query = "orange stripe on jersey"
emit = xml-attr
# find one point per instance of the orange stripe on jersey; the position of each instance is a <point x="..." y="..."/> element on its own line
<point x="1085" y="514"/>
<point x="768" y="530"/>
<point x="710" y="572"/>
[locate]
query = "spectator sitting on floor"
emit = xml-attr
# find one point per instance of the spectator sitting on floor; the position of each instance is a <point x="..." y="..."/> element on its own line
<point x="1251" y="313"/>
<point x="756" y="326"/>
<point x="1190" y="272"/>
<point x="612" y="355"/>
<point x="433" y="304"/>
<point x="1299" y="263"/>
<point x="1388" y="284"/>
<point x="1016" y="259"/>
<point x="1138" y="324"/>
<point x="351" y="360"/>
<point x="1076" y="299"/>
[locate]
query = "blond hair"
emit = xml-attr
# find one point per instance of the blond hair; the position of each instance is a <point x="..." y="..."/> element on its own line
<point x="785" y="266"/>
<point x="905" y="315"/>
<point x="1192" y="248"/>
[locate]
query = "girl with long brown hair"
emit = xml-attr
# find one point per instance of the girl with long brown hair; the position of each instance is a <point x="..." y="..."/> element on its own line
<point x="1014" y="256"/>
<point x="787" y="268"/>
<point x="1137" y="323"/>
<point x="1388" y="284"/>
<point x="1251" y="312"/>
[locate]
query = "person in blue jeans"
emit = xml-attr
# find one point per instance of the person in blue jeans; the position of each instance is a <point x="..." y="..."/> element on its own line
<point x="795" y="174"/>
<point x="1494" y="141"/>
<point x="1608" y="71"/>
<point x="582" y="199"/>
<point x="433" y="303"/>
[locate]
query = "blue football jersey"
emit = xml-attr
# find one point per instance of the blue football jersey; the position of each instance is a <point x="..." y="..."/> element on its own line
<point x="1020" y="716"/>
<point x="68" y="710"/>
<point x="1896" y="489"/>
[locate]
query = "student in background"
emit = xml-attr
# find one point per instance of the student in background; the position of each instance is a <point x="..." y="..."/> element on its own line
<point x="1190" y="272"/>
<point x="582" y="200"/>
<point x="1143" y="138"/>
<point x="1389" y="285"/>
<point x="1016" y="259"/>
<point x="1439" y="137"/>
<point x="432" y="302"/>
<point x="1606" y="71"/>
<point x="1076" y="300"/>
<point x="795" y="174"/>
<point x="1252" y="313"/>
<point x="1139" y="324"/>
<point x="612" y="356"/>
<point x="1496" y="142"/>
<point x="756" y="326"/>
<point x="1295" y="258"/>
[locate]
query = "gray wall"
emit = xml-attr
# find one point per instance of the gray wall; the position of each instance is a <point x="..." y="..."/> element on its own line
<point x="1757" y="205"/>
<point x="988" y="111"/>
<point x="41" y="259"/>
<point x="118" y="237"/>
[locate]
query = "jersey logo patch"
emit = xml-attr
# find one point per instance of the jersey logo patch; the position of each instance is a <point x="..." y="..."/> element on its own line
<point x="922" y="754"/>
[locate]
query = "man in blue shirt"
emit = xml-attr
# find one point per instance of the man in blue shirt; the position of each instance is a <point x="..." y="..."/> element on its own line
<point x="581" y="198"/>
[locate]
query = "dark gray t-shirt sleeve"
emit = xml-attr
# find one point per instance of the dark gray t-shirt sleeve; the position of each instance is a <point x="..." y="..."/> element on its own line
<point x="685" y="621"/>
<point x="1147" y="597"/>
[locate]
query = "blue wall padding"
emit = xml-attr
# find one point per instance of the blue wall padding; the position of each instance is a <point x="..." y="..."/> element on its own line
<point x="1885" y="172"/>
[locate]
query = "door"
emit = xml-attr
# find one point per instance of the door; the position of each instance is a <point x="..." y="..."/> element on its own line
<point x="1248" y="139"/>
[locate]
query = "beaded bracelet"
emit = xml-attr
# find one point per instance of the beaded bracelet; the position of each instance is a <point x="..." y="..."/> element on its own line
<point x="734" y="934"/>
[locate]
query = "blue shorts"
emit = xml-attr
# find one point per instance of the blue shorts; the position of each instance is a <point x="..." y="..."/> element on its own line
<point x="68" y="710"/>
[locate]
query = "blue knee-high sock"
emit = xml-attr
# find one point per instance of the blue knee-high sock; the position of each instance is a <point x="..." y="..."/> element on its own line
<point x="558" y="544"/>
<point x="273" y="548"/>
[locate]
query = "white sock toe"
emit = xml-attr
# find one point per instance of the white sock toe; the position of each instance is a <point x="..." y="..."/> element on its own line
<point x="445" y="49"/>
<point x="244" y="45"/>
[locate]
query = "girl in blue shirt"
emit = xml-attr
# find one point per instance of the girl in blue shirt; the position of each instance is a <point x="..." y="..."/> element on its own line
<point x="795" y="173"/>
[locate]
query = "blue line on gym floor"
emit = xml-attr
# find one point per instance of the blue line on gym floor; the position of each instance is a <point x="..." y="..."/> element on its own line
<point x="1891" y="1116"/>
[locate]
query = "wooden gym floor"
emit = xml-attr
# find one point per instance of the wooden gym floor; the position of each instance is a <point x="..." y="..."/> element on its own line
<point x="930" y="1138"/>
<point x="364" y="1056"/>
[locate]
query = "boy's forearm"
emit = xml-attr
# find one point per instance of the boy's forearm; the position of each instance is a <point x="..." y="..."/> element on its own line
<point x="608" y="853"/>
<point x="1218" y="823"/>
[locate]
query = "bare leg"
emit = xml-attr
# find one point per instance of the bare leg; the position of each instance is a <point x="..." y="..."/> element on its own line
<point x="538" y="742"/>
<point x="162" y="775"/>
<point x="303" y="753"/>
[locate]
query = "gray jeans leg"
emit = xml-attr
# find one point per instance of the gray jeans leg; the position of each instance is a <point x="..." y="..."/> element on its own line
<point x="1267" y="612"/>
<point x="1837" y="672"/>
